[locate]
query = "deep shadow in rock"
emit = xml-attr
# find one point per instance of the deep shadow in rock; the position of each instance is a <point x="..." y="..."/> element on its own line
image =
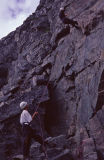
<point x="3" y="75"/>
<point x="100" y="155"/>
<point x="64" y="32"/>
<point x="55" y="118"/>
<point x="100" y="100"/>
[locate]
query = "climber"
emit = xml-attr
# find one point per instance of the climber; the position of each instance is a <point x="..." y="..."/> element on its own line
<point x="28" y="132"/>
<point x="66" y="20"/>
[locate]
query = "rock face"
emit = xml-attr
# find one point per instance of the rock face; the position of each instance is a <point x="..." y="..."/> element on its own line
<point x="61" y="73"/>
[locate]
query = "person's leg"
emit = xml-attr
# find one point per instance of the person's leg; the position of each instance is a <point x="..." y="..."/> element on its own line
<point x="70" y="21"/>
<point x="66" y="20"/>
<point x="74" y="24"/>
<point x="26" y="141"/>
<point x="26" y="146"/>
<point x="38" y="138"/>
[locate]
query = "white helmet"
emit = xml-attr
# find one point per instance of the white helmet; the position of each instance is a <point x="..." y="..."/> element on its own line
<point x="62" y="8"/>
<point x="23" y="105"/>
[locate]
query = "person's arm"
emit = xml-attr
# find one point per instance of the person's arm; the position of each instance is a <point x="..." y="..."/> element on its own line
<point x="66" y="14"/>
<point x="35" y="113"/>
<point x="61" y="14"/>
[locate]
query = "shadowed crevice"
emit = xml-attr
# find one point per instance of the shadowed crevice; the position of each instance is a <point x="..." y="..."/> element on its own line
<point x="64" y="32"/>
<point x="100" y="100"/>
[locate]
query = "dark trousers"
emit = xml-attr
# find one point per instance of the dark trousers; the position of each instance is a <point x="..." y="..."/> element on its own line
<point x="28" y="134"/>
<point x="66" y="20"/>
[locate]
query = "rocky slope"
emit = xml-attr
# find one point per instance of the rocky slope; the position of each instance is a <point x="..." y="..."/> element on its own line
<point x="43" y="63"/>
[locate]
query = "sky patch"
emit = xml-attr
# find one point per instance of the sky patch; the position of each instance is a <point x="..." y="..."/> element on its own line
<point x="14" y="12"/>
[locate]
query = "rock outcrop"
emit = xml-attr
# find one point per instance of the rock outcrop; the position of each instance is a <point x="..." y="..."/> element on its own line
<point x="62" y="72"/>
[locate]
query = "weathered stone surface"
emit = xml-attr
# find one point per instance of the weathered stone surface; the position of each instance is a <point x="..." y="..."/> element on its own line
<point x="61" y="68"/>
<point x="95" y="128"/>
<point x="89" y="150"/>
<point x="18" y="157"/>
<point x="55" y="149"/>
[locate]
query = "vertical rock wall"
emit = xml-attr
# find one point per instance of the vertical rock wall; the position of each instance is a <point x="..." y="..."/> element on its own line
<point x="42" y="51"/>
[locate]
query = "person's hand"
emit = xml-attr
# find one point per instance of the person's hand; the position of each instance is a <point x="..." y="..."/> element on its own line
<point x="36" y="113"/>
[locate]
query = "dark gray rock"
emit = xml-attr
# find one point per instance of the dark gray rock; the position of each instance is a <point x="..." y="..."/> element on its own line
<point x="18" y="157"/>
<point x="55" y="149"/>
<point x="89" y="150"/>
<point x="59" y="70"/>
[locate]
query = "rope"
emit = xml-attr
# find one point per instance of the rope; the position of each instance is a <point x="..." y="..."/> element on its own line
<point x="100" y="92"/>
<point x="44" y="148"/>
<point x="40" y="99"/>
<point x="45" y="151"/>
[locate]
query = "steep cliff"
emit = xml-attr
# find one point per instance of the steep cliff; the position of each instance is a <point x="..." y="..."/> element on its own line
<point x="42" y="62"/>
